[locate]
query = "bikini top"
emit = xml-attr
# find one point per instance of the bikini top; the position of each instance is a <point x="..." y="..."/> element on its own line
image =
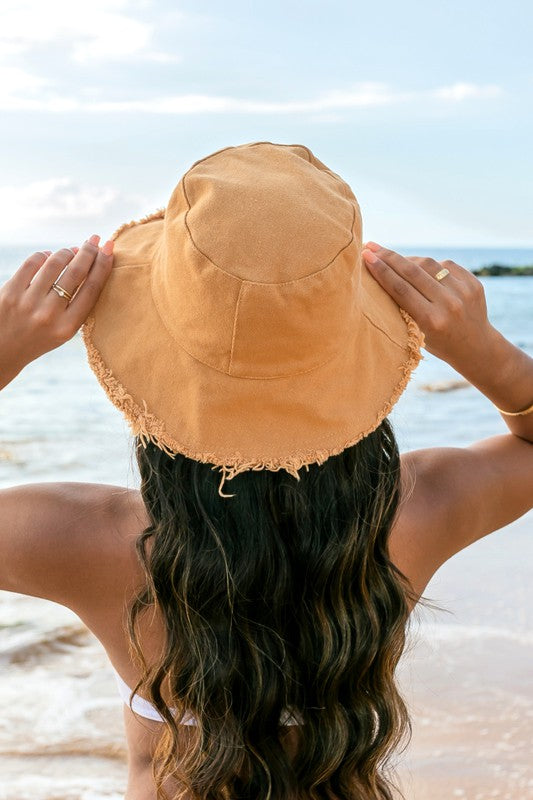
<point x="145" y="709"/>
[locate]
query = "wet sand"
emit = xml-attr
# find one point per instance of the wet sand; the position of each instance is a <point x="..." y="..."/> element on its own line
<point x="61" y="729"/>
<point x="472" y="709"/>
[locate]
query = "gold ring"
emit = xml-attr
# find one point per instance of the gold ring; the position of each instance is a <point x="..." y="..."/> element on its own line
<point x="442" y="274"/>
<point x="61" y="292"/>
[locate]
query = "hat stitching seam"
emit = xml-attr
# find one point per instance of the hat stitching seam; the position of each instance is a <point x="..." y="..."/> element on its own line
<point x="223" y="371"/>
<point x="211" y="366"/>
<point x="273" y="283"/>
<point x="260" y="377"/>
<point x="149" y="428"/>
<point x="264" y="283"/>
<point x="160" y="212"/>
<point x="248" y="144"/>
<point x="235" y="327"/>
<point x="255" y="283"/>
<point x="382" y="330"/>
<point x="270" y="377"/>
<point x="346" y="190"/>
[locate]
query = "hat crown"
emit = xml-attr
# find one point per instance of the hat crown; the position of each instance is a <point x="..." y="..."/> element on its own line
<point x="239" y="326"/>
<point x="258" y="270"/>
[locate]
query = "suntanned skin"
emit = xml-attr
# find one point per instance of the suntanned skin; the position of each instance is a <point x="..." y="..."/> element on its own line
<point x="74" y="543"/>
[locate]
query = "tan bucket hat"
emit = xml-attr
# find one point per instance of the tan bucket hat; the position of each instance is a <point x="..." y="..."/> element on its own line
<point x="240" y="326"/>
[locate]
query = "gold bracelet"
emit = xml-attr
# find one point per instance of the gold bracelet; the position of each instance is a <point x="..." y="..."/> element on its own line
<point x="515" y="413"/>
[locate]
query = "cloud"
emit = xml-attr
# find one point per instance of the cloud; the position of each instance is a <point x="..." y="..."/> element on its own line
<point x="55" y="197"/>
<point x="360" y="96"/>
<point x="15" y="82"/>
<point x="464" y="91"/>
<point x="114" y="30"/>
<point x="60" y="206"/>
<point x="102" y="30"/>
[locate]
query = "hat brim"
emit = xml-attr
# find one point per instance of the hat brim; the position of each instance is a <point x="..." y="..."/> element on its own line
<point x="185" y="406"/>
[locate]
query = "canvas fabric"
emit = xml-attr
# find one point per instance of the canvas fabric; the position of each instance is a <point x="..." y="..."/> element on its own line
<point x="240" y="326"/>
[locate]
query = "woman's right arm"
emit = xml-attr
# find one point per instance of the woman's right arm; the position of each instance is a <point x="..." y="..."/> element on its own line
<point x="457" y="495"/>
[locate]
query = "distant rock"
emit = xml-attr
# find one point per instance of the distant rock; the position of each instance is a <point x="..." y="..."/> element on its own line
<point x="501" y="269"/>
<point x="445" y="386"/>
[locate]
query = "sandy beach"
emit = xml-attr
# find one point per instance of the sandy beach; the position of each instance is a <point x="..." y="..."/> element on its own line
<point x="469" y="678"/>
<point x="466" y="676"/>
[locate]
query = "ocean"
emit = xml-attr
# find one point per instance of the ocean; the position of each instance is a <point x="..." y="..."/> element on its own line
<point x="468" y="676"/>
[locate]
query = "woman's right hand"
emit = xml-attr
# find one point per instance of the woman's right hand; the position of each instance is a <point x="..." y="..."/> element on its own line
<point x="451" y="312"/>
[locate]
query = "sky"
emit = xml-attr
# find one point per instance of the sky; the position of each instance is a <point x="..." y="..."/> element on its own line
<point x="424" y="108"/>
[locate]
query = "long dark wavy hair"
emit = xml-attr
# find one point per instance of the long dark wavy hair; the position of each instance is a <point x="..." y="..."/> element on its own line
<point x="281" y="598"/>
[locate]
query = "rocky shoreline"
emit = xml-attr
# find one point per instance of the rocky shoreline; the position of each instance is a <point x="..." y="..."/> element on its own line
<point x="501" y="269"/>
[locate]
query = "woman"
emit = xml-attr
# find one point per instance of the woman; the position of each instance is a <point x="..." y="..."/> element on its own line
<point x="244" y="327"/>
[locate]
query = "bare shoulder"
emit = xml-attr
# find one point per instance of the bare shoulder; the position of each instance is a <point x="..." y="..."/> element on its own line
<point x="453" y="496"/>
<point x="68" y="542"/>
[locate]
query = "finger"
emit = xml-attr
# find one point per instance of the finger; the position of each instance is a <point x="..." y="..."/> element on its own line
<point x="456" y="271"/>
<point x="55" y="265"/>
<point x="22" y="278"/>
<point x="459" y="279"/>
<point x="74" y="273"/>
<point x="431" y="266"/>
<point x="49" y="272"/>
<point x="400" y="289"/>
<point x="420" y="275"/>
<point x="78" y="309"/>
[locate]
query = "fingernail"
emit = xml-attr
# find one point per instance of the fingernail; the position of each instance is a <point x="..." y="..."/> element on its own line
<point x="107" y="249"/>
<point x="372" y="246"/>
<point x="369" y="256"/>
<point x="94" y="239"/>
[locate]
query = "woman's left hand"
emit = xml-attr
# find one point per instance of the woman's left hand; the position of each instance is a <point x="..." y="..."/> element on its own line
<point x="34" y="318"/>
